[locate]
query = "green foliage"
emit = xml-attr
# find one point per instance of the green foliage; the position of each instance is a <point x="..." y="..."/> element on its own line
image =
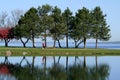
<point x="57" y="72"/>
<point x="75" y="32"/>
<point x="78" y="72"/>
<point x="57" y="29"/>
<point x="28" y="26"/>
<point x="44" y="17"/>
<point x="51" y="21"/>
<point x="45" y="20"/>
<point x="100" y="73"/>
<point x="67" y="16"/>
<point x="105" y="33"/>
<point x="83" y="24"/>
<point x="100" y="30"/>
<point x="31" y="20"/>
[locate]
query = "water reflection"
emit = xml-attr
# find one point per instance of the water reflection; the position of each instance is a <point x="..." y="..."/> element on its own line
<point x="76" y="71"/>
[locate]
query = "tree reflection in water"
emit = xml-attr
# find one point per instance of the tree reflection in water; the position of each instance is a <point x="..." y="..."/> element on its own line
<point x="77" y="71"/>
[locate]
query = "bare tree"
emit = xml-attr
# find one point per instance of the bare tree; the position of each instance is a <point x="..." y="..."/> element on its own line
<point x="16" y="14"/>
<point x="3" y="17"/>
<point x="9" y="22"/>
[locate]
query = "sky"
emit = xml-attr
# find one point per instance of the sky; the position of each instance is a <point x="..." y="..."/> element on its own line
<point x="109" y="7"/>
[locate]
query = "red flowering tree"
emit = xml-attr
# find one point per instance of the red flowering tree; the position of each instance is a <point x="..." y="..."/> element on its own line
<point x="4" y="69"/>
<point x="6" y="34"/>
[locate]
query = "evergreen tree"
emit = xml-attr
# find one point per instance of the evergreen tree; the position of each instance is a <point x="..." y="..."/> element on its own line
<point x="22" y="33"/>
<point x="45" y="20"/>
<point x="83" y="21"/>
<point x="100" y="30"/>
<point x="75" y="32"/>
<point x="80" y="27"/>
<point x="67" y="14"/>
<point x="58" y="26"/>
<point x="31" y="21"/>
<point x="28" y="26"/>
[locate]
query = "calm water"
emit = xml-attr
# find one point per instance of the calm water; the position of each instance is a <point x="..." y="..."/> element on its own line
<point x="71" y="44"/>
<point x="60" y="68"/>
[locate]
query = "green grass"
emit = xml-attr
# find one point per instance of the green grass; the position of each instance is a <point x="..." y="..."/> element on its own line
<point x="58" y="52"/>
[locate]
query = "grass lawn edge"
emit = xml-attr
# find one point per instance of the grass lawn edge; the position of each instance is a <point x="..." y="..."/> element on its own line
<point x="57" y="52"/>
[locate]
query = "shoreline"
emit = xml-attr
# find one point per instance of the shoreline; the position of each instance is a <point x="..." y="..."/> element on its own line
<point x="57" y="52"/>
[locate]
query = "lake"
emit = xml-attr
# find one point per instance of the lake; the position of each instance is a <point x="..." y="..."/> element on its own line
<point x="60" y="68"/>
<point x="108" y="45"/>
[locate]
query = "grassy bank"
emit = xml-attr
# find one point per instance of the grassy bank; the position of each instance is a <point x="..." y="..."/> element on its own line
<point x="57" y="52"/>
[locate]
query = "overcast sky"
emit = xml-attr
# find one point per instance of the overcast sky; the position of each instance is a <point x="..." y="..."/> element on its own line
<point x="109" y="7"/>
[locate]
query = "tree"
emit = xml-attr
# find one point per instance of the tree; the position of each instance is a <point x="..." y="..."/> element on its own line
<point x="105" y="32"/>
<point x="6" y="30"/>
<point x="80" y="27"/>
<point x="22" y="33"/>
<point x="67" y="14"/>
<point x="30" y="21"/>
<point x="100" y="29"/>
<point x="75" y="32"/>
<point x="45" y="20"/>
<point x="6" y="34"/>
<point x="58" y="27"/>
<point x="16" y="15"/>
<point x="3" y="18"/>
<point x="57" y="33"/>
<point x="28" y="26"/>
<point x="83" y="19"/>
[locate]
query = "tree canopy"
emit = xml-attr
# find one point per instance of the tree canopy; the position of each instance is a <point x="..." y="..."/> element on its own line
<point x="100" y="29"/>
<point x="50" y="21"/>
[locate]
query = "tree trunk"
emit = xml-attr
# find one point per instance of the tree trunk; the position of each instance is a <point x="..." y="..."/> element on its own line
<point x="76" y="57"/>
<point x="84" y="64"/>
<point x="6" y="60"/>
<point x="67" y="34"/>
<point x="96" y="62"/>
<point x="96" y="46"/>
<point x="75" y="60"/>
<point x="33" y="42"/>
<point x="54" y="43"/>
<point x="6" y="42"/>
<point x="67" y="40"/>
<point x="24" y="43"/>
<point x="54" y="60"/>
<point x="75" y="44"/>
<point x="22" y="60"/>
<point x="33" y="61"/>
<point x="45" y="37"/>
<point x="67" y="66"/>
<point x="66" y="63"/>
<point x="59" y="44"/>
<point x="84" y="42"/>
<point x="44" y="65"/>
<point x="59" y="59"/>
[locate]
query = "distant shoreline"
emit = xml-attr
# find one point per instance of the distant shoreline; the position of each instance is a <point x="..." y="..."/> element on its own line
<point x="106" y="45"/>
